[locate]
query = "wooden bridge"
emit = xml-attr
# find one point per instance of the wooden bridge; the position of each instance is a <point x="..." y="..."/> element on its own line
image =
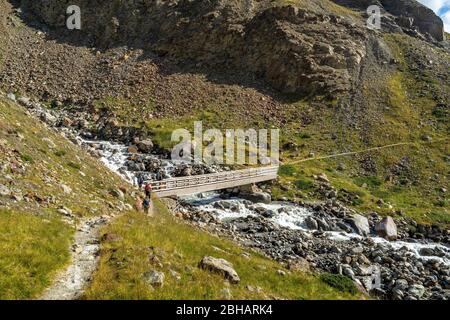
<point x="214" y="181"/>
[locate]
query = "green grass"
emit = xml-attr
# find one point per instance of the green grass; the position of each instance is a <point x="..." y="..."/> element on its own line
<point x="34" y="241"/>
<point x="286" y="170"/>
<point x="48" y="166"/>
<point x="180" y="247"/>
<point x="340" y="282"/>
<point x="26" y="158"/>
<point x="32" y="248"/>
<point x="371" y="181"/>
<point x="303" y="184"/>
<point x="74" y="165"/>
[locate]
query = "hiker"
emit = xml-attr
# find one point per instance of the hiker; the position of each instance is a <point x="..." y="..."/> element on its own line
<point x="148" y="190"/>
<point x="140" y="181"/>
<point x="148" y="206"/>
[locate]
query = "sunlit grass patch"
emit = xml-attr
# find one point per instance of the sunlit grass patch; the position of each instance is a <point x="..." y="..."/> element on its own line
<point x="32" y="249"/>
<point x="179" y="247"/>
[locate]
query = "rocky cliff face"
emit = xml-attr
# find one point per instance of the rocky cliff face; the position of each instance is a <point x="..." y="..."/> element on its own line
<point x="296" y="51"/>
<point x="408" y="14"/>
<point x="306" y="51"/>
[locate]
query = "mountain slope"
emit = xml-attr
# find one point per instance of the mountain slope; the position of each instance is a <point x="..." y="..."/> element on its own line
<point x="311" y="68"/>
<point x="49" y="186"/>
<point x="395" y="85"/>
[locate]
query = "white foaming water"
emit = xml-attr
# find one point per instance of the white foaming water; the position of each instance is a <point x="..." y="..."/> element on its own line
<point x="114" y="156"/>
<point x="284" y="214"/>
<point x="293" y="217"/>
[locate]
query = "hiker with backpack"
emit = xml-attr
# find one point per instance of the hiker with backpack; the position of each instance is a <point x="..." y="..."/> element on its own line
<point x="148" y="206"/>
<point x="148" y="190"/>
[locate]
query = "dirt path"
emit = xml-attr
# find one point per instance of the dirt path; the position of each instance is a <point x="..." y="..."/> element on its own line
<point x="70" y="283"/>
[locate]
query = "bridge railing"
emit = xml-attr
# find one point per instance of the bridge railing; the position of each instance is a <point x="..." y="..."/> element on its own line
<point x="213" y="178"/>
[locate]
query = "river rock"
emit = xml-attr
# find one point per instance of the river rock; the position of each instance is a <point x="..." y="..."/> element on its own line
<point x="145" y="146"/>
<point x="360" y="224"/>
<point x="48" y="118"/>
<point x="132" y="149"/>
<point x="257" y="197"/>
<point x="401" y="284"/>
<point x="387" y="228"/>
<point x="220" y="266"/>
<point x="24" y="101"/>
<point x="429" y="252"/>
<point x="417" y="291"/>
<point x="249" y="188"/>
<point x="347" y="271"/>
<point x="311" y="223"/>
<point x="323" y="225"/>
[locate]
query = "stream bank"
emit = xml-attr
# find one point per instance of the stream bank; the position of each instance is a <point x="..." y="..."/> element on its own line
<point x="318" y="237"/>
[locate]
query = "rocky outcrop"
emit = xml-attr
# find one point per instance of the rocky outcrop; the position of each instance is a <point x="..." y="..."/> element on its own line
<point x="420" y="16"/>
<point x="408" y="14"/>
<point x="295" y="50"/>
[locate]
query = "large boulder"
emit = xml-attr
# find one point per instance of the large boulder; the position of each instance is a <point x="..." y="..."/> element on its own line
<point x="311" y="223"/>
<point x="387" y="228"/>
<point x="257" y="197"/>
<point x="249" y="188"/>
<point x="360" y="224"/>
<point x="145" y="146"/>
<point x="220" y="266"/>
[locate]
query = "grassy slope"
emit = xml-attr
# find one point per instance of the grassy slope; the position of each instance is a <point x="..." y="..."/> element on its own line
<point x="421" y="200"/>
<point x="34" y="241"/>
<point x="407" y="117"/>
<point x="398" y="114"/>
<point x="402" y="122"/>
<point x="32" y="248"/>
<point x="180" y="247"/>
